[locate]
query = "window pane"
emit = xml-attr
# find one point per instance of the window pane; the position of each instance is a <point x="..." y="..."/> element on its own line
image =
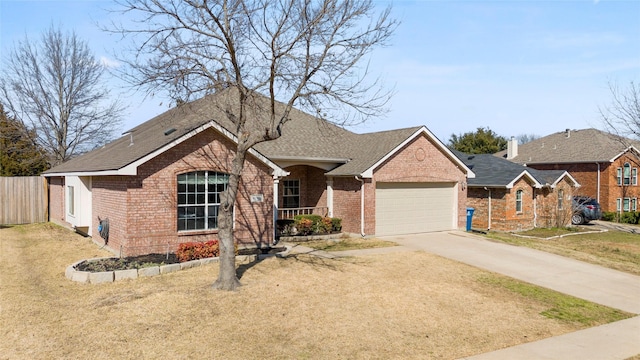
<point x="213" y="217"/>
<point x="199" y="188"/>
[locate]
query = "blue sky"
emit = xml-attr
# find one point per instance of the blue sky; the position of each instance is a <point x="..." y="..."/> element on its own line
<point x="517" y="67"/>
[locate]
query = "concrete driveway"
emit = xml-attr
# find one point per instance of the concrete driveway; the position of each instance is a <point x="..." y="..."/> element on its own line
<point x="604" y="286"/>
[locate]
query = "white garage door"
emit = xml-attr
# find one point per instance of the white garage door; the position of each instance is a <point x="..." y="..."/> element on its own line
<point x="409" y="208"/>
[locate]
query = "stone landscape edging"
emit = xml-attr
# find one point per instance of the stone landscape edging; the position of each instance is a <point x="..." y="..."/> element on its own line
<point x="88" y="277"/>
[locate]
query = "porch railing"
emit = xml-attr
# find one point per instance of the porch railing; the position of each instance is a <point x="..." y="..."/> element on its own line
<point x="290" y="213"/>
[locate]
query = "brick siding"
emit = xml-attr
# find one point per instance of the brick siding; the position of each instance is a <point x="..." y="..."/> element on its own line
<point x="142" y="209"/>
<point x="56" y="201"/>
<point x="586" y="174"/>
<point x="504" y="217"/>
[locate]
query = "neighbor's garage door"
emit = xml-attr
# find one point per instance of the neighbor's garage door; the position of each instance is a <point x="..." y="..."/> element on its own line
<point x="409" y="208"/>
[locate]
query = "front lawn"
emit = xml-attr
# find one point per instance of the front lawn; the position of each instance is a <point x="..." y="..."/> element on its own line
<point x="409" y="305"/>
<point x="346" y="243"/>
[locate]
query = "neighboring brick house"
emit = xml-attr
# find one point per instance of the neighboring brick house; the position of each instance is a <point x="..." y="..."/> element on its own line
<point x="159" y="184"/>
<point x="509" y="197"/>
<point x="605" y="165"/>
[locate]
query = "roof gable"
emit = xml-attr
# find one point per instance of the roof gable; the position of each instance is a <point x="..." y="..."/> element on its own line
<point x="573" y="146"/>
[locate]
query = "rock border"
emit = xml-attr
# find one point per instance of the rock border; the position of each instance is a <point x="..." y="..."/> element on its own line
<point x="87" y="277"/>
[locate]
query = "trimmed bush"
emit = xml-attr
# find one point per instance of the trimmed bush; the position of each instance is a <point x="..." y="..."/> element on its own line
<point x="197" y="250"/>
<point x="336" y="224"/>
<point x="629" y="218"/>
<point x="316" y="224"/>
<point x="304" y="226"/>
<point x="609" y="216"/>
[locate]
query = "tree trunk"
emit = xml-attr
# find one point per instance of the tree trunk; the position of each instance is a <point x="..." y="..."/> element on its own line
<point x="227" y="278"/>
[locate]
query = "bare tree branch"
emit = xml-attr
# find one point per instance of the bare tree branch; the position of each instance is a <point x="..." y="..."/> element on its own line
<point x="54" y="86"/>
<point x="622" y="116"/>
<point x="301" y="53"/>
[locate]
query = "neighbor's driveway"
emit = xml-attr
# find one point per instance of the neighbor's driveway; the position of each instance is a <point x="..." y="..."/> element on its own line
<point x="586" y="281"/>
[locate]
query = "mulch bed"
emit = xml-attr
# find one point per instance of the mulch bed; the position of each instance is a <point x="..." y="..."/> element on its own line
<point x="149" y="260"/>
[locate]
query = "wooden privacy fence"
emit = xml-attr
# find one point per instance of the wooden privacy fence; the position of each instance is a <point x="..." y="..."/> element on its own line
<point x="23" y="200"/>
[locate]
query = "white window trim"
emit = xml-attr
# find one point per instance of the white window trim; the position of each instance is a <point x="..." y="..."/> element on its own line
<point x="206" y="204"/>
<point x="560" y="199"/>
<point x="632" y="204"/>
<point x="71" y="202"/>
<point x="519" y="201"/>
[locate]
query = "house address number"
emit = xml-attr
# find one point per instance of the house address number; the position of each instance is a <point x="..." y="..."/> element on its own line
<point x="257" y="198"/>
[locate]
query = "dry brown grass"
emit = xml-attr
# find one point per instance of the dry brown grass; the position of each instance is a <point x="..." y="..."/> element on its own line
<point x="613" y="249"/>
<point x="398" y="306"/>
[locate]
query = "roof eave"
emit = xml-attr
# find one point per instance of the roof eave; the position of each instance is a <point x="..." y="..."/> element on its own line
<point x="132" y="168"/>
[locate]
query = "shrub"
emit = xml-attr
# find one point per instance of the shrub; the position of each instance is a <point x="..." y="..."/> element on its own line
<point x="336" y="224"/>
<point x="316" y="224"/>
<point x="304" y="226"/>
<point x="629" y="218"/>
<point x="286" y="226"/>
<point x="197" y="250"/>
<point x="609" y="216"/>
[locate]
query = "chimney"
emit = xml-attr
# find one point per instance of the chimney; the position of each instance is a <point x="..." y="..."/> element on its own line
<point x="512" y="148"/>
<point x="567" y="133"/>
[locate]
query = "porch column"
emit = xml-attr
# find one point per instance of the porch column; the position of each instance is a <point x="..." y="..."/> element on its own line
<point x="276" y="182"/>
<point x="330" y="196"/>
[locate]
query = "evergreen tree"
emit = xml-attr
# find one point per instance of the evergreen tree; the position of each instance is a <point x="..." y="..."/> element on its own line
<point x="19" y="154"/>
<point x="482" y="141"/>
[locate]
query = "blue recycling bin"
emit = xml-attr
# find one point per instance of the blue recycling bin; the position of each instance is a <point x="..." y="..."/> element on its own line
<point x="470" y="211"/>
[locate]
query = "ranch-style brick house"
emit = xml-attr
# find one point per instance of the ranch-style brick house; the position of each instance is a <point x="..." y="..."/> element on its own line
<point x="159" y="184"/>
<point x="605" y="165"/>
<point x="510" y="197"/>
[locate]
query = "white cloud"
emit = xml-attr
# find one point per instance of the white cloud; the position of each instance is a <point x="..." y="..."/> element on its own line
<point x="110" y="63"/>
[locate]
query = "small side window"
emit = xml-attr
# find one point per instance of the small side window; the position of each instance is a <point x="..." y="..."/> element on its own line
<point x="560" y="199"/>
<point x="71" y="201"/>
<point x="519" y="201"/>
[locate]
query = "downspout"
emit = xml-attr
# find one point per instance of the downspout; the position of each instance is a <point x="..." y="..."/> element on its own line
<point x="489" y="210"/>
<point x="361" y="205"/>
<point x="598" y="184"/>
<point x="535" y="209"/>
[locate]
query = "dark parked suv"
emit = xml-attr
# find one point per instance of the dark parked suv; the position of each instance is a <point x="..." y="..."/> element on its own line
<point x="585" y="209"/>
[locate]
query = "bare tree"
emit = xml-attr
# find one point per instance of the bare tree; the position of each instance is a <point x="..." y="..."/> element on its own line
<point x="525" y="138"/>
<point x="301" y="53"/>
<point x="54" y="87"/>
<point x="622" y="116"/>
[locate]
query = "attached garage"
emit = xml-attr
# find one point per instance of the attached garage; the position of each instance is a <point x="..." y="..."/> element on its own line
<point x="409" y="208"/>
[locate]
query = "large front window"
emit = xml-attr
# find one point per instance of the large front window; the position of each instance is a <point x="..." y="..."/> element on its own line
<point x="199" y="199"/>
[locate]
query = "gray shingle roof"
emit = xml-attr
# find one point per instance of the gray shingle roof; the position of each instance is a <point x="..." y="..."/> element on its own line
<point x="304" y="136"/>
<point x="493" y="171"/>
<point x="366" y="149"/>
<point x="572" y="146"/>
